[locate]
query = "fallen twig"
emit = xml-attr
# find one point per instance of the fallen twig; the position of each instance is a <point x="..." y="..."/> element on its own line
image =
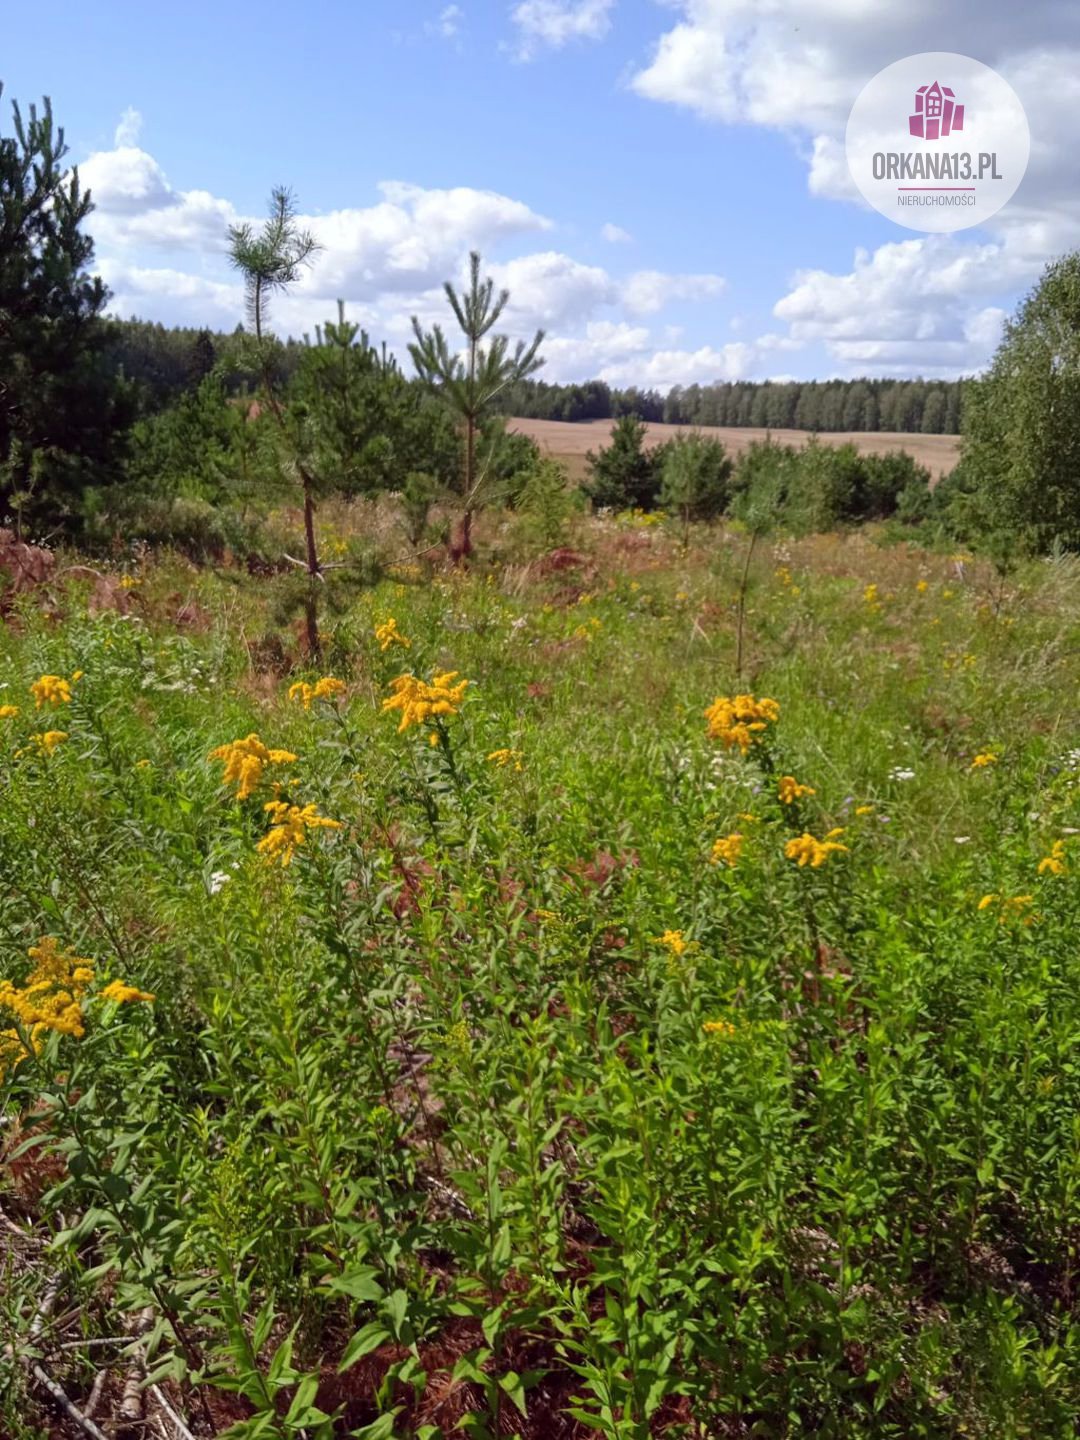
<point x="176" y="1420"/>
<point x="71" y="1411"/>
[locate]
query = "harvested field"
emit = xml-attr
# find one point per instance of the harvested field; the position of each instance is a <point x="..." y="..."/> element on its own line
<point x="570" y="442"/>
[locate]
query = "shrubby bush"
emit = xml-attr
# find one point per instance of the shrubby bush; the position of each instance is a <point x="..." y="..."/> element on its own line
<point x="695" y="478"/>
<point x="624" y="475"/>
<point x="821" y="487"/>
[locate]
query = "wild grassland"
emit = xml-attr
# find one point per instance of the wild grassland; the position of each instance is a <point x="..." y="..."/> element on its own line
<point x="511" y="1104"/>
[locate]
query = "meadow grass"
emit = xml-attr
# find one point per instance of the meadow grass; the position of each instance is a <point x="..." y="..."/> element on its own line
<point x="510" y="1102"/>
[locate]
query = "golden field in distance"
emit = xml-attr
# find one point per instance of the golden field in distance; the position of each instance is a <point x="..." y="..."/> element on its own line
<point x="569" y="441"/>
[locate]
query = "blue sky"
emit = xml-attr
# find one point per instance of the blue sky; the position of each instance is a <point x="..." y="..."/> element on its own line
<point x="661" y="185"/>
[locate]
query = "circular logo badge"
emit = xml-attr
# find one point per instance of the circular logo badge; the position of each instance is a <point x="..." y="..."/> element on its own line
<point x="937" y="141"/>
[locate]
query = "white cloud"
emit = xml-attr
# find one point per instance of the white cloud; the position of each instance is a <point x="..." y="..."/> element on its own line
<point x="796" y="66"/>
<point x="162" y="251"/>
<point x="126" y="181"/>
<point x="551" y="24"/>
<point x="615" y="234"/>
<point x="190" y="299"/>
<point x="650" y="290"/>
<point x="920" y="306"/>
<point x="448" y="23"/>
<point x="129" y="129"/>
<point x="550" y="289"/>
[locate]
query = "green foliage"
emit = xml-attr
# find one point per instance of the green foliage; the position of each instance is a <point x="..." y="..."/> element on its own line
<point x="546" y="504"/>
<point x="205" y="447"/>
<point x="1022" y="422"/>
<point x="931" y="407"/>
<point x="435" y="1105"/>
<point x="362" y="425"/>
<point x="63" y="412"/>
<point x="470" y="382"/>
<point x="821" y="486"/>
<point x="695" y="478"/>
<point x="625" y="475"/>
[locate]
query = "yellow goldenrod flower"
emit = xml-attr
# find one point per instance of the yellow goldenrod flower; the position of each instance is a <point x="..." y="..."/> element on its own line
<point x="124" y="994"/>
<point x="727" y="850"/>
<point x="50" y="1000"/>
<point x="388" y="634"/>
<point x="288" y="829"/>
<point x="503" y="758"/>
<point x="53" y="689"/>
<point x="324" y="689"/>
<point x="741" y="720"/>
<point x="1010" y="907"/>
<point x="750" y="819"/>
<point x="1054" y="863"/>
<point x="8" y="712"/>
<point x="790" y="790"/>
<point x="245" y="760"/>
<point x="418" y="701"/>
<point x="723" y="1028"/>
<point x="864" y="809"/>
<point x="806" y="850"/>
<point x="981" y="761"/>
<point x="673" y="940"/>
<point x="48" y="740"/>
<point x="923" y="586"/>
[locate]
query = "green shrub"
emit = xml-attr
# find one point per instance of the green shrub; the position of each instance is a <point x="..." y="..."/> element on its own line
<point x="695" y="481"/>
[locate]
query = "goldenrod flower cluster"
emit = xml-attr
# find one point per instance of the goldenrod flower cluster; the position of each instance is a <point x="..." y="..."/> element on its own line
<point x="53" y="689"/>
<point x="722" y="1028"/>
<point x="289" y="826"/>
<point x="790" y="790"/>
<point x="727" y="850"/>
<point x="419" y="702"/>
<point x="51" y="1001"/>
<point x="806" y="850"/>
<point x="245" y="760"/>
<point x="324" y="689"/>
<point x="740" y="721"/>
<point x="1009" y="907"/>
<point x="388" y="634"/>
<point x="502" y="758"/>
<point x="121" y="993"/>
<point x="1054" y="863"/>
<point x="980" y="762"/>
<point x="674" y="942"/>
<point x="8" y="712"/>
<point x="48" y="740"/>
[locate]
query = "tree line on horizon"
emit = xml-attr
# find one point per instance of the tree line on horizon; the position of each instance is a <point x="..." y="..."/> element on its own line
<point x="162" y="361"/>
<point x="130" y="428"/>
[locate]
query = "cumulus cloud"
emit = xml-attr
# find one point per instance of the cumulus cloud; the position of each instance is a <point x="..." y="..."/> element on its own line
<point x="797" y="67"/>
<point x="918" y="306"/>
<point x="162" y="251"/>
<point x="129" y="129"/>
<point x="650" y="290"/>
<point x="551" y="24"/>
<point x="615" y="234"/>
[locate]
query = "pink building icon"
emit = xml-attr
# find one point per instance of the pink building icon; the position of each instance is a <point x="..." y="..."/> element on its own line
<point x="936" y="113"/>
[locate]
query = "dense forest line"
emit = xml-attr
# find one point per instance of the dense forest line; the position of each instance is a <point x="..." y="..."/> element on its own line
<point x="927" y="407"/>
<point x="162" y="362"/>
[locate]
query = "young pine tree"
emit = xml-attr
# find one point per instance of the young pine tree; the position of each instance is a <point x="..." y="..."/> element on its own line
<point x="471" y="381"/>
<point x="270" y="261"/>
<point x="63" y="412"/>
